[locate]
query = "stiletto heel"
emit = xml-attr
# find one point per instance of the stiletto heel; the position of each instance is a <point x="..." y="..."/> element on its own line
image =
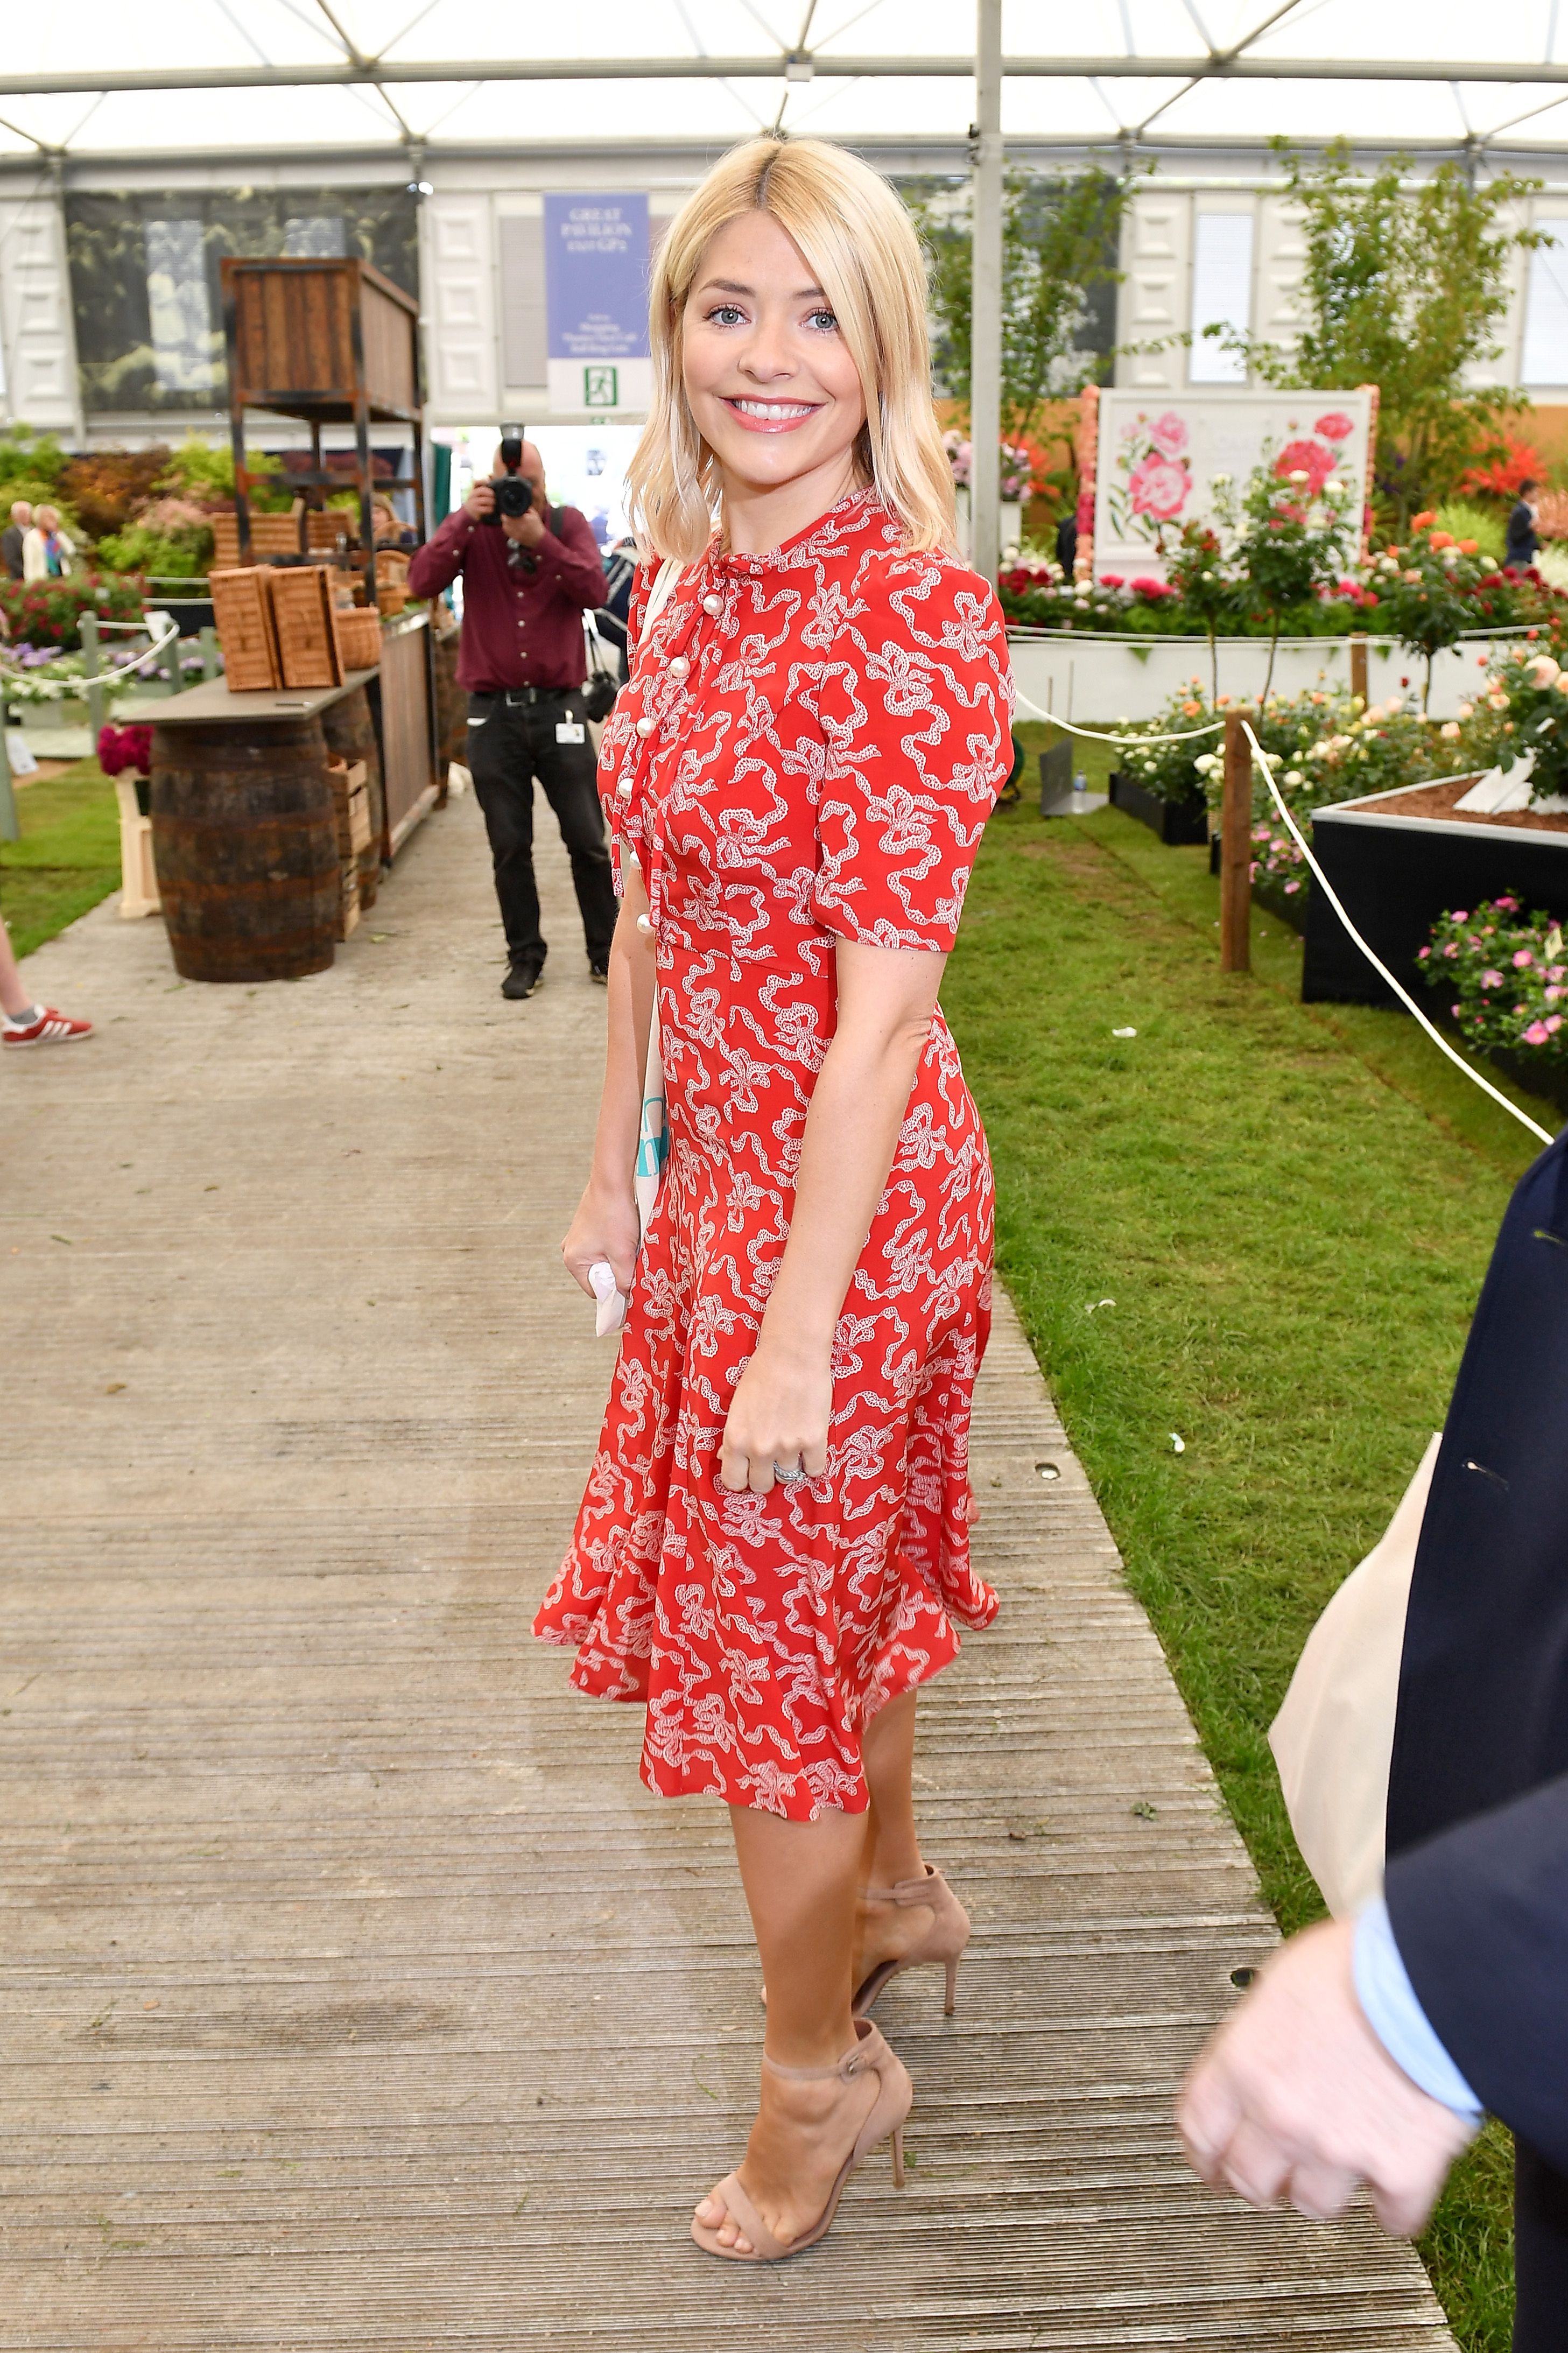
<point x="895" y="2095"/>
<point x="944" y="1941"/>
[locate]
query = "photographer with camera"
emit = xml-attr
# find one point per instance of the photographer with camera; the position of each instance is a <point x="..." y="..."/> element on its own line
<point x="530" y="571"/>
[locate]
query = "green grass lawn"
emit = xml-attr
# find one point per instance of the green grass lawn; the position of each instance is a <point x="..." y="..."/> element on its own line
<point x="1292" y="1208"/>
<point x="68" y="856"/>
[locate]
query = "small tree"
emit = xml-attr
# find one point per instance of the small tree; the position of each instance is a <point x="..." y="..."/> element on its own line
<point x="1402" y="287"/>
<point x="1290" y="540"/>
<point x="1060" y="240"/>
<point x="1206" y="583"/>
<point x="1427" y="591"/>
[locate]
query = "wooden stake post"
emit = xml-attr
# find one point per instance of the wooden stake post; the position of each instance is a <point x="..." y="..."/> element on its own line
<point x="1235" y="850"/>
<point x="1358" y="670"/>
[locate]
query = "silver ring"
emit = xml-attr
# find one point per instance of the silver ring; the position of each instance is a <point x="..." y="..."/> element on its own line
<point x="787" y="1478"/>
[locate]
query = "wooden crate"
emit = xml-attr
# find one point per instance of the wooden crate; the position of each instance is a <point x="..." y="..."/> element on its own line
<point x="350" y="792"/>
<point x="359" y="637"/>
<point x="291" y="335"/>
<point x="270" y="534"/>
<point x="302" y="617"/>
<point x="242" y="611"/>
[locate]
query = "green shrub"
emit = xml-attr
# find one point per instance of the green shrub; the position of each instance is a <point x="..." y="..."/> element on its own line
<point x="1483" y="525"/>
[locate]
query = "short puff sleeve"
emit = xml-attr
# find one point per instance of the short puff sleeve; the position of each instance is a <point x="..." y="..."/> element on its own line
<point x="915" y="701"/>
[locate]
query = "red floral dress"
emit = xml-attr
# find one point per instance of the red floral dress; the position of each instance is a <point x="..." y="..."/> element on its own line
<point x="808" y="750"/>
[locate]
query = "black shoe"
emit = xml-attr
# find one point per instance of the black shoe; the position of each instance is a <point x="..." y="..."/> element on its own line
<point x="522" y="980"/>
<point x="597" y="971"/>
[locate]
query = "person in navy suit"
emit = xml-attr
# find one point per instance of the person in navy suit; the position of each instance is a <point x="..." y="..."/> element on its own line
<point x="1369" y="2050"/>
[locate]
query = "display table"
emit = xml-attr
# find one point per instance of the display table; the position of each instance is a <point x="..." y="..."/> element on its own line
<point x="244" y="831"/>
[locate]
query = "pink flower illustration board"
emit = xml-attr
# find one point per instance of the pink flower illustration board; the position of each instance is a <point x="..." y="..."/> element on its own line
<point x="1159" y="455"/>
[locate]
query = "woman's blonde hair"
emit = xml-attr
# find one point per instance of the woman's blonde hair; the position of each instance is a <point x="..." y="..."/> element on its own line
<point x="860" y="242"/>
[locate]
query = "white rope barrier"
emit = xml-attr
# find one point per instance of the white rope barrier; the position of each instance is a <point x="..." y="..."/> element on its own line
<point x="120" y="670"/>
<point x="1260" y="762"/>
<point x="1337" y="903"/>
<point x="1096" y="736"/>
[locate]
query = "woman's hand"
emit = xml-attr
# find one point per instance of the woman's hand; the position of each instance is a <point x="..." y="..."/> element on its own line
<point x="606" y="1225"/>
<point x="779" y="1417"/>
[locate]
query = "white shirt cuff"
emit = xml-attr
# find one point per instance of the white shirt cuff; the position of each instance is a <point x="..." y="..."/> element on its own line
<point x="1396" y="2018"/>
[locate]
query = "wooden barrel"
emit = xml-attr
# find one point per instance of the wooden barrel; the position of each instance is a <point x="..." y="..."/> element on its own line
<point x="245" y="839"/>
<point x="351" y="730"/>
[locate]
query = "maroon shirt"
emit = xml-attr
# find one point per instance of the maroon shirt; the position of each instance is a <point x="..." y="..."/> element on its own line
<point x="521" y="626"/>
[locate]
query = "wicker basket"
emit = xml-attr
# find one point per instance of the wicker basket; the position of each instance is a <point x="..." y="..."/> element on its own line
<point x="303" y="616"/>
<point x="243" y="612"/>
<point x="359" y="637"/>
<point x="270" y="534"/>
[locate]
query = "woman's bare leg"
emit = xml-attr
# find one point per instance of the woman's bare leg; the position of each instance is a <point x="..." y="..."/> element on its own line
<point x="802" y="1881"/>
<point x="893" y="1851"/>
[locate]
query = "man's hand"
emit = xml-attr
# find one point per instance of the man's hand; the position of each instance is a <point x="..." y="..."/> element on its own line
<point x="1296" y="2099"/>
<point x="479" y="502"/>
<point x="528" y="529"/>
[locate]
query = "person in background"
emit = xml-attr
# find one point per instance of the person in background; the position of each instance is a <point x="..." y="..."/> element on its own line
<point x="611" y="619"/>
<point x="1067" y="542"/>
<point x="12" y="538"/>
<point x="1524" y="542"/>
<point x="25" y="1023"/>
<point x="46" y="549"/>
<point x="526" y="587"/>
<point x="391" y="530"/>
<point x="1370" y="2049"/>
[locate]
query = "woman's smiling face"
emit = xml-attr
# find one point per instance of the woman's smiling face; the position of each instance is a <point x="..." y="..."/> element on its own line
<point x="769" y="381"/>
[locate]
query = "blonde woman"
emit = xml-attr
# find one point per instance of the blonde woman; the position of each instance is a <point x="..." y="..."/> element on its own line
<point x="773" y="1545"/>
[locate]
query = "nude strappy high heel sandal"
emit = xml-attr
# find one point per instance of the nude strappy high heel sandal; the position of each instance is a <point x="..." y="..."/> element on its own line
<point x="895" y="2094"/>
<point x="944" y="1941"/>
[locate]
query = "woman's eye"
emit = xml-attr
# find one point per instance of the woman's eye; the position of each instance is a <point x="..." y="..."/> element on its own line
<point x="827" y="320"/>
<point x="725" y="315"/>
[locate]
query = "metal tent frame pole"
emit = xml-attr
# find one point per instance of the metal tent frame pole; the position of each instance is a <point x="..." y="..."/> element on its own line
<point x="985" y="305"/>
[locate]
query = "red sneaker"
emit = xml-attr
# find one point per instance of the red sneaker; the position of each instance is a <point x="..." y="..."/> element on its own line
<point x="50" y="1029"/>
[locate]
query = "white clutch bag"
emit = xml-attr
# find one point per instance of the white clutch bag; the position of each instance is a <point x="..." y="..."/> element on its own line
<point x="1333" y="1737"/>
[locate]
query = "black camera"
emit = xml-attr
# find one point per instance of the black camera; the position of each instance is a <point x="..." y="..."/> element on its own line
<point x="513" y="495"/>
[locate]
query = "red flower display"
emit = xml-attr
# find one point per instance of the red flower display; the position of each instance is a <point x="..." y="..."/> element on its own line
<point x="1308" y="457"/>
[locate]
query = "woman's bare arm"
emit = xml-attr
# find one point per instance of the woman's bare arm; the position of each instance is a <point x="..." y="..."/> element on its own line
<point x="782" y="1404"/>
<point x="606" y="1225"/>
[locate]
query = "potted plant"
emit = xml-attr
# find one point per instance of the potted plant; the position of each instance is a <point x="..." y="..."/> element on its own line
<point x="125" y="753"/>
<point x="1399" y="858"/>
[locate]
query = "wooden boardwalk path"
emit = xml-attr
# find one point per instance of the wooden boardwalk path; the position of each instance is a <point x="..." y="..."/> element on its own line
<point x="355" y="1997"/>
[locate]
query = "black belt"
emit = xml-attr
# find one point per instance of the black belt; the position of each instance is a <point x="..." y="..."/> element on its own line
<point x="513" y="695"/>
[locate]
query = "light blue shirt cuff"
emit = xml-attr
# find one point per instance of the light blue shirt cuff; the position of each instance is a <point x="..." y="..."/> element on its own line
<point x="1396" y="2018"/>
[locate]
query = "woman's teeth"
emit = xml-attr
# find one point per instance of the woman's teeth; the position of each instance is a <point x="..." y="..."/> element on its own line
<point x="773" y="410"/>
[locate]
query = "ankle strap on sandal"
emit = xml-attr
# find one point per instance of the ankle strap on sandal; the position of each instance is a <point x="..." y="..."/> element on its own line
<point x="907" y="1890"/>
<point x="854" y="2062"/>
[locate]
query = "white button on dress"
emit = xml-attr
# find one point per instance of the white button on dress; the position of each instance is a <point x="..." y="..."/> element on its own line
<point x="712" y="604"/>
<point x="646" y="726"/>
<point x="680" y="668"/>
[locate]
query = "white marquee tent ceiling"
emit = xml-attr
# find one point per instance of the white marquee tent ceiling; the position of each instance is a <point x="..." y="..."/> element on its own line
<point x="287" y="77"/>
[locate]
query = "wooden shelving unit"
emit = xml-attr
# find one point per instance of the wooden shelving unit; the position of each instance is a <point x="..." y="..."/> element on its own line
<point x="330" y="342"/>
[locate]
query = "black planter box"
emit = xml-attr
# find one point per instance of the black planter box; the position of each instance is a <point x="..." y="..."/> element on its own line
<point x="1179" y="824"/>
<point x="1397" y="874"/>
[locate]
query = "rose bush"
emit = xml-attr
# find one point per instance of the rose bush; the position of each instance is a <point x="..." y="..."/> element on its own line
<point x="1504" y="977"/>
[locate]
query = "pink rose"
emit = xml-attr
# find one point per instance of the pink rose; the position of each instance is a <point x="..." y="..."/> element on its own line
<point x="1491" y="979"/>
<point x="1537" y="1034"/>
<point x="1308" y="457"/>
<point x="1160" y="489"/>
<point x="1169" y="435"/>
<point x="1522" y="957"/>
<point x="1335" y="426"/>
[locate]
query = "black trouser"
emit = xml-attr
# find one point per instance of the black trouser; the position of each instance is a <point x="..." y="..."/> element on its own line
<point x="1540" y="2254"/>
<point x="509" y="745"/>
